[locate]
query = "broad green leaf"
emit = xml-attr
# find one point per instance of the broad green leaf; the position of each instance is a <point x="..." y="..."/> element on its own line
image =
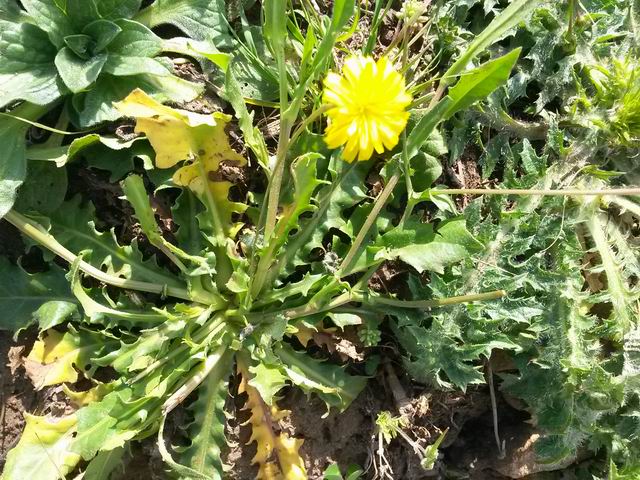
<point x="197" y="50"/>
<point x="206" y="432"/>
<point x="77" y="73"/>
<point x="103" y="32"/>
<point x="79" y="44"/>
<point x="25" y="298"/>
<point x="44" y="189"/>
<point x="98" y="428"/>
<point x="200" y="19"/>
<point x="27" y="69"/>
<point x="116" y="9"/>
<point x="13" y="167"/>
<point x="268" y="380"/>
<point x="81" y="12"/>
<point x="135" y="40"/>
<point x="9" y="12"/>
<point x="515" y="13"/>
<point x="478" y="83"/>
<point x="44" y="450"/>
<point x="121" y="65"/>
<point x="62" y="155"/>
<point x="424" y="249"/>
<point x="96" y="105"/>
<point x="48" y="16"/>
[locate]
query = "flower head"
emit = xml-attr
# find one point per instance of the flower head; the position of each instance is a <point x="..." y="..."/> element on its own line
<point x="368" y="104"/>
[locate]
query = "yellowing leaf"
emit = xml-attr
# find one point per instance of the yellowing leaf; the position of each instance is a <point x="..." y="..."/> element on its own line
<point x="198" y="140"/>
<point x="44" y="450"/>
<point x="86" y="397"/>
<point x="289" y="457"/>
<point x="53" y="359"/>
<point x="288" y="465"/>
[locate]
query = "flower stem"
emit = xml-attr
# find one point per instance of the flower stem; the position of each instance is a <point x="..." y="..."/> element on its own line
<point x="535" y="192"/>
<point x="310" y="119"/>
<point x="40" y="235"/>
<point x="371" y="218"/>
<point x="438" y="302"/>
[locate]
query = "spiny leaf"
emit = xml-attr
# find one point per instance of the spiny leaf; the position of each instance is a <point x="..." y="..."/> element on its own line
<point x="207" y="429"/>
<point x="74" y="227"/>
<point x="289" y="465"/>
<point x="329" y="382"/>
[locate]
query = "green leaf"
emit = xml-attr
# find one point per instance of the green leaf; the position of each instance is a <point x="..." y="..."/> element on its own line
<point x="478" y="83"/>
<point x="207" y="429"/>
<point x="13" y="167"/>
<point x="135" y="40"/>
<point x="117" y="9"/>
<point x="97" y="105"/>
<point x="44" y="450"/>
<point x="185" y="212"/>
<point x="98" y="428"/>
<point x="340" y="16"/>
<point x="48" y="16"/>
<point x="136" y="193"/>
<point x="104" y="464"/>
<point x="9" y="12"/>
<point x="44" y="189"/>
<point x="103" y="32"/>
<point x="275" y="27"/>
<point x="62" y="155"/>
<point x="76" y="72"/>
<point x="73" y="226"/>
<point x="81" y="12"/>
<point x="515" y="13"/>
<point x="268" y="380"/>
<point x="420" y="134"/>
<point x="329" y="382"/>
<point x="79" y="44"/>
<point x="418" y="245"/>
<point x="123" y="66"/>
<point x="25" y="298"/>
<point x="200" y="19"/>
<point x="27" y="69"/>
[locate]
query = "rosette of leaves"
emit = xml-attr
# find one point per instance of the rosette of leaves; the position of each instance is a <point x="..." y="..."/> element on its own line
<point x="89" y="54"/>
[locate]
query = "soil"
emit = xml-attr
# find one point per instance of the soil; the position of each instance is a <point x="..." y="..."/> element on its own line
<point x="347" y="438"/>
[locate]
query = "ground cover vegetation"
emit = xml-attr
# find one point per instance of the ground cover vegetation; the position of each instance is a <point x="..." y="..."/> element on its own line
<point x="208" y="206"/>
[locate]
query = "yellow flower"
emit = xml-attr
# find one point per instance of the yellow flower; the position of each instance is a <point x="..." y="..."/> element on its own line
<point x="367" y="107"/>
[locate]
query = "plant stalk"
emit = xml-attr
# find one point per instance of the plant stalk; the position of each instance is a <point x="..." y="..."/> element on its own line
<point x="40" y="235"/>
<point x="536" y="192"/>
<point x="438" y="302"/>
<point x="371" y="218"/>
